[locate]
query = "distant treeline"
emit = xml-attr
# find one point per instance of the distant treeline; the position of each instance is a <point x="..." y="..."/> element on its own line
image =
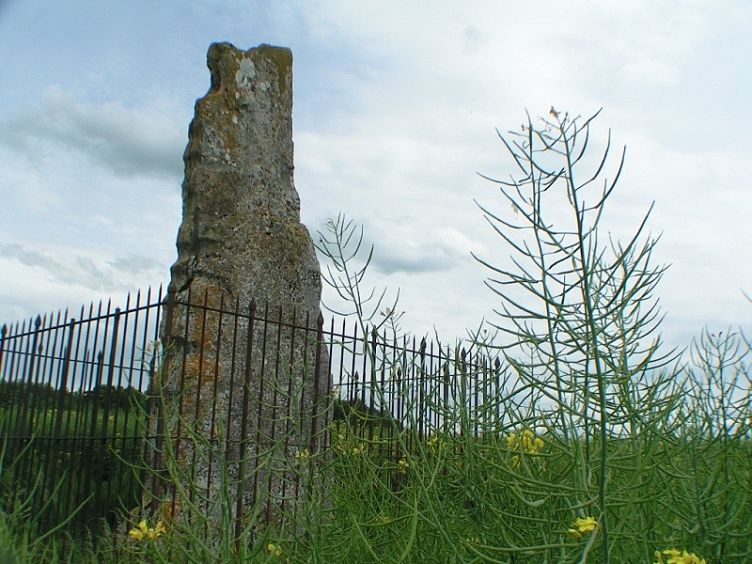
<point x="45" y="396"/>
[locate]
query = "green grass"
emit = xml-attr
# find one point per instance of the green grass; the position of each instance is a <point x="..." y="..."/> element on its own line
<point x="469" y="499"/>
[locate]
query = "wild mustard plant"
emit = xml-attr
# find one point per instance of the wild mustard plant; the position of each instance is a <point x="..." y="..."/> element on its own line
<point x="578" y="322"/>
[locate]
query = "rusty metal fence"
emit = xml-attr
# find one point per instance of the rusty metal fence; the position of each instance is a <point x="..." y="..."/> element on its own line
<point x="82" y="403"/>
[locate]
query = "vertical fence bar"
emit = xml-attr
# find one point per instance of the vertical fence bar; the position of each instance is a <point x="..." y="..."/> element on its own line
<point x="87" y="377"/>
<point x="3" y="333"/>
<point x="385" y="435"/>
<point x="58" y="446"/>
<point x="71" y="427"/>
<point x="259" y="413"/>
<point x="156" y="406"/>
<point x="329" y="383"/>
<point x="91" y="409"/>
<point x="46" y="379"/>
<point x="231" y="394"/>
<point x="136" y="407"/>
<point x="243" y="446"/>
<point x="364" y="383"/>
<point x="353" y="372"/>
<point x="197" y="409"/>
<point x="121" y="402"/>
<point x="102" y="404"/>
<point x="275" y="395"/>
<point x="421" y="383"/>
<point x="39" y="458"/>
<point x="106" y="467"/>
<point x="212" y="430"/>
<point x="431" y="407"/>
<point x="11" y="370"/>
<point x="178" y="437"/>
<point x="315" y="404"/>
<point x="22" y="429"/>
<point x="301" y="403"/>
<point x="372" y="394"/>
<point x="5" y="383"/>
<point x="30" y="419"/>
<point x="445" y="383"/>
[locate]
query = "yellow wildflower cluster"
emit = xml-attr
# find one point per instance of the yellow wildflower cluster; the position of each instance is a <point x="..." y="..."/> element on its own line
<point x="434" y="444"/>
<point x="302" y="454"/>
<point x="274" y="550"/>
<point x="674" y="556"/>
<point x="143" y="531"/>
<point x="346" y="444"/>
<point x="525" y="442"/>
<point x="403" y="466"/>
<point x="582" y="526"/>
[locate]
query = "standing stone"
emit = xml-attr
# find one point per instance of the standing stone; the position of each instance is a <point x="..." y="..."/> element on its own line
<point x="251" y="407"/>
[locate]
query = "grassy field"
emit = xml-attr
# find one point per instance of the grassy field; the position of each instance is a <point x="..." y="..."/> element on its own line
<point x="525" y="495"/>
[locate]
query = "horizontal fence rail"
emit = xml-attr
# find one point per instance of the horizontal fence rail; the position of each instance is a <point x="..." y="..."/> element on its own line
<point x="83" y="400"/>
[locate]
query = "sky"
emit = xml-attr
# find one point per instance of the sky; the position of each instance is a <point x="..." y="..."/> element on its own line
<point x="396" y="111"/>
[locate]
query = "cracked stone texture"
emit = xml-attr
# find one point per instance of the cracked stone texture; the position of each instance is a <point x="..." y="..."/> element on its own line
<point x="241" y="239"/>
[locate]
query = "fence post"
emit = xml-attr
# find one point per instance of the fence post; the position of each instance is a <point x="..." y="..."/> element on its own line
<point x="157" y="385"/>
<point x="57" y="431"/>
<point x="244" y="422"/>
<point x="317" y="382"/>
<point x="422" y="382"/>
<point x="64" y="381"/>
<point x="20" y="431"/>
<point x="3" y="332"/>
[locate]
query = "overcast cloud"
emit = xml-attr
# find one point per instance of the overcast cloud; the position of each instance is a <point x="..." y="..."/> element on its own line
<point x="395" y="110"/>
<point x="127" y="142"/>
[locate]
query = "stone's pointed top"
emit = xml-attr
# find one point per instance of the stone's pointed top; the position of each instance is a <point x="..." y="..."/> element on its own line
<point x="224" y="60"/>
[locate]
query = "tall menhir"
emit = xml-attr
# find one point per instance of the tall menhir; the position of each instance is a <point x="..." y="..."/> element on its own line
<point x="244" y="367"/>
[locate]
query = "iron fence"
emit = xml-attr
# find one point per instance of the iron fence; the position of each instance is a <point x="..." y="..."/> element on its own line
<point x="83" y="399"/>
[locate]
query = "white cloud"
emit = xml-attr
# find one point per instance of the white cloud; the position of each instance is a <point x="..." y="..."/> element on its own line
<point x="129" y="142"/>
<point x="45" y="279"/>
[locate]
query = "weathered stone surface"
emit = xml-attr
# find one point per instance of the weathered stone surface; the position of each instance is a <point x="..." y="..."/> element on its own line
<point x="241" y="229"/>
<point x="241" y="240"/>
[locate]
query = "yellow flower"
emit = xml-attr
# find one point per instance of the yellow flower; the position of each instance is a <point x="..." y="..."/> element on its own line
<point x="403" y="466"/>
<point x="525" y="442"/>
<point x="302" y="454"/>
<point x="274" y="550"/>
<point x="139" y="532"/>
<point x="143" y="531"/>
<point x="581" y="526"/>
<point x="434" y="444"/>
<point x="674" y="556"/>
<point x="156" y="531"/>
